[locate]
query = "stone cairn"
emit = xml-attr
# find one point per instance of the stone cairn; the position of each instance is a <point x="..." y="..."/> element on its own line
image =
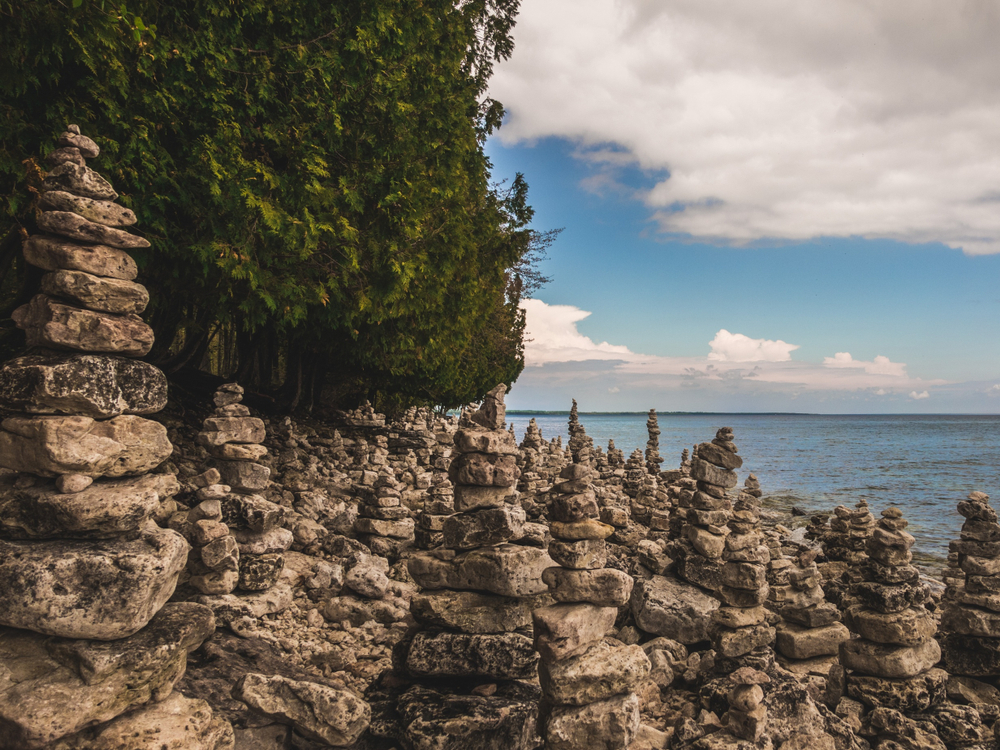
<point x="438" y="505"/>
<point x="469" y="654"/>
<point x="971" y="617"/>
<point x="635" y="474"/>
<point x="891" y="663"/>
<point x="653" y="458"/>
<point x="743" y="636"/>
<point x="745" y="723"/>
<point x="578" y="438"/>
<point x="234" y="440"/>
<point x="698" y="555"/>
<point x="81" y="559"/>
<point x="587" y="680"/>
<point x="811" y="625"/>
<point x="383" y="521"/>
<point x="213" y="565"/>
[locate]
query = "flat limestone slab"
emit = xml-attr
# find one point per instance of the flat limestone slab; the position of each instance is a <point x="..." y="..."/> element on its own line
<point x="50" y="688"/>
<point x="102" y="590"/>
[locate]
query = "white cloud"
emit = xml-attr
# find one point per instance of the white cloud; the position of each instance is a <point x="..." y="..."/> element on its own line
<point x="918" y="396"/>
<point x="735" y="347"/>
<point x="551" y="336"/>
<point x="881" y="365"/>
<point x="786" y="119"/>
<point x="614" y="389"/>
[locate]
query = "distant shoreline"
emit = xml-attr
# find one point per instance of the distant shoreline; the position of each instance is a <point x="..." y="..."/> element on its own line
<point x="535" y="413"/>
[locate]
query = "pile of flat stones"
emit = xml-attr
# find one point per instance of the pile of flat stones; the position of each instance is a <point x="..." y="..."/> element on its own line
<point x="891" y="664"/>
<point x="587" y="680"/>
<point x="745" y="723"/>
<point x="85" y="574"/>
<point x="214" y="561"/>
<point x="383" y="521"/>
<point x="438" y="505"/>
<point x="971" y="617"/>
<point x="811" y="625"/>
<point x="653" y="458"/>
<point x="471" y="655"/>
<point x="578" y="438"/>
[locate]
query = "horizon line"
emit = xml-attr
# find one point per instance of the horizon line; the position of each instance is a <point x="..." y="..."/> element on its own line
<point x="752" y="413"/>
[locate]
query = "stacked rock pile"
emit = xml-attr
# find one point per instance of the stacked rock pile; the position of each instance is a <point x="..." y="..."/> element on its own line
<point x="383" y="521"/>
<point x="470" y="652"/>
<point x="971" y="617"/>
<point x="439" y="504"/>
<point x="213" y="565"/>
<point x="698" y="555"/>
<point x="587" y="680"/>
<point x="743" y="636"/>
<point x="745" y="723"/>
<point x="234" y="440"/>
<point x="635" y="474"/>
<point x="578" y="438"/>
<point x="891" y="663"/>
<point x="811" y="626"/>
<point x="653" y="458"/>
<point x="81" y="559"/>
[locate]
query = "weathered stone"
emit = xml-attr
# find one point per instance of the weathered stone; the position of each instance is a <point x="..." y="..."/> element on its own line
<point x="69" y="484"/>
<point x="796" y="642"/>
<point x="894" y="662"/>
<point x="606" y="669"/>
<point x="96" y="293"/>
<point x="472" y="497"/>
<point x="79" y="180"/>
<point x="400" y="529"/>
<point x="507" y="569"/>
<point x="706" y="472"/>
<point x="564" y="630"/>
<point x="263" y="542"/>
<point x="106" y="509"/>
<point x="336" y="717"/>
<point x="738" y="617"/>
<point x="742" y="575"/>
<point x="504" y="656"/>
<point x="668" y="607"/>
<point x="367" y="580"/>
<point x="100" y="212"/>
<point x="574" y="507"/>
<point x="53" y="688"/>
<point x="220" y="430"/>
<point x="720" y="457"/>
<point x="971" y="655"/>
<point x="971" y="621"/>
<point x="605" y="725"/>
<point x="260" y="572"/>
<point x="49" y="446"/>
<point x="251" y="512"/>
<point x="471" y="612"/>
<point x="605" y="587"/>
<point x="48" y="323"/>
<point x="229" y="607"/>
<point x="238" y="452"/>
<point x="221" y="554"/>
<point x="473" y="440"/>
<point x="75" y="227"/>
<point x="891" y="598"/>
<point x="577" y="530"/>
<point x="484" y="469"/>
<point x="483" y="527"/>
<point x="71" y="138"/>
<point x="733" y="643"/>
<point x="60" y="155"/>
<point x="89" y="589"/>
<point x="81" y="384"/>
<point x="584" y="554"/>
<point x="55" y="253"/>
<point x="909" y="696"/>
<point x="244" y="476"/>
<point x="705" y="542"/>
<point x="909" y="627"/>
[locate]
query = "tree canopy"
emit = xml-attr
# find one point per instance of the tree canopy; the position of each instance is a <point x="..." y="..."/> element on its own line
<point x="311" y="176"/>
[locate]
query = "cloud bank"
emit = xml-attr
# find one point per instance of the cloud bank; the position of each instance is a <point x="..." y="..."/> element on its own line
<point x="783" y="119"/>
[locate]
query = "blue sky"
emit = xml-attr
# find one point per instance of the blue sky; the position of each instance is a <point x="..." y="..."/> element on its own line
<point x="861" y="280"/>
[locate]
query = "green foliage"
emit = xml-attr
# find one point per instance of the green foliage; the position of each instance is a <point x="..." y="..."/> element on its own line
<point x="310" y="173"/>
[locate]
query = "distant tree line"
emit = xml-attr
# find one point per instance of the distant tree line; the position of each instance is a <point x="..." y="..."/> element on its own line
<point x="311" y="176"/>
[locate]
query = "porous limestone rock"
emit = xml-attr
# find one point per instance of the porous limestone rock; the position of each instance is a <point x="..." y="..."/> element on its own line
<point x="48" y="323"/>
<point x="55" y="254"/>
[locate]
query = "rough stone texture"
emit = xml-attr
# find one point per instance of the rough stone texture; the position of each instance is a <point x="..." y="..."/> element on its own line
<point x="102" y="510"/>
<point x="668" y="607"/>
<point x="605" y="587"/>
<point x="89" y="589"/>
<point x="52" y="689"/>
<point x="507" y="569"/>
<point x="908" y="696"/>
<point x="894" y="662"/>
<point x="244" y="476"/>
<point x="48" y="323"/>
<point x="76" y="227"/>
<point x="506" y="656"/>
<point x="337" y="717"/>
<point x="606" y="669"/>
<point x="101" y="212"/>
<point x="49" y="446"/>
<point x="564" y="630"/>
<point x="96" y="293"/>
<point x="55" y="253"/>
<point x="971" y="655"/>
<point x="796" y="642"/>
<point x="471" y="612"/>
<point x="483" y="527"/>
<point x="605" y="725"/>
<point x="79" y="180"/>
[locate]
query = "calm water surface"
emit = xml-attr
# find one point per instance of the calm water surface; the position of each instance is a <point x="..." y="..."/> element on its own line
<point x="923" y="464"/>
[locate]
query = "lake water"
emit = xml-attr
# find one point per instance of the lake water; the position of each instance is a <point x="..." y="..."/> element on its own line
<point x="923" y="464"/>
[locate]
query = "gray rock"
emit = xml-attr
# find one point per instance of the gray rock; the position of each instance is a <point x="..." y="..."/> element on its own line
<point x="103" y="510"/>
<point x="471" y="612"/>
<point x="116" y="447"/>
<point x="89" y="589"/>
<point x="55" y="253"/>
<point x="605" y="587"/>
<point x="48" y="323"/>
<point x="483" y="527"/>
<point x="97" y="293"/>
<point x="79" y="180"/>
<point x="668" y="607"/>
<point x="98" y="386"/>
<point x="319" y="712"/>
<point x="605" y="725"/>
<point x="72" y="139"/>
<point x="565" y="630"/>
<point x="53" y="688"/>
<point x="100" y="212"/>
<point x="505" y="656"/>
<point x="606" y="669"/>
<point x="60" y="155"/>
<point x="244" y="476"/>
<point x="894" y="662"/>
<point x="706" y="472"/>
<point x="508" y="570"/>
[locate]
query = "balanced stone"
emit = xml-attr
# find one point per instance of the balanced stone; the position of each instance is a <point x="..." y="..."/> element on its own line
<point x="564" y="630"/>
<point x="79" y="180"/>
<point x="101" y="212"/>
<point x="484" y="527"/>
<point x="605" y="587"/>
<point x="471" y="612"/>
<point x="48" y="323"/>
<point x="97" y="293"/>
<point x="607" y="668"/>
<point x="885" y="660"/>
<point x="493" y="655"/>
<point x="507" y="569"/>
<point x="604" y="725"/>
<point x="56" y="254"/>
<point x="67" y="224"/>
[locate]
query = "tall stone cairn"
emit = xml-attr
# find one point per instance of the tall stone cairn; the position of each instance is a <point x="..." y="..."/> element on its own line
<point x="743" y="636"/>
<point x="233" y="439"/>
<point x="653" y="458"/>
<point x="699" y="553"/>
<point x="891" y="663"/>
<point x="470" y="655"/>
<point x="971" y="617"/>
<point x="811" y="625"/>
<point x="578" y="438"/>
<point x="383" y="521"/>
<point x="635" y="474"/>
<point x="587" y="680"/>
<point x="213" y="565"/>
<point x="80" y="556"/>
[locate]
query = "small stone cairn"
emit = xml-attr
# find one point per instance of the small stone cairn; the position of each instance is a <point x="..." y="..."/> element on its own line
<point x="811" y="626"/>
<point x="587" y="680"/>
<point x="383" y="521"/>
<point x="891" y="663"/>
<point x="86" y="633"/>
<point x="745" y="723"/>
<point x="469" y="655"/>
<point x="578" y="438"/>
<point x="653" y="458"/>
<point x="971" y="617"/>
<point x="213" y="565"/>
<point x="438" y="505"/>
<point x="234" y="440"/>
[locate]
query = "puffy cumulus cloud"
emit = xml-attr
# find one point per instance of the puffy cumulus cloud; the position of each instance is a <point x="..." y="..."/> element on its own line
<point x="550" y="335"/>
<point x="786" y="119"/>
<point x="881" y="365"/>
<point x="735" y="347"/>
<point x="919" y="396"/>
